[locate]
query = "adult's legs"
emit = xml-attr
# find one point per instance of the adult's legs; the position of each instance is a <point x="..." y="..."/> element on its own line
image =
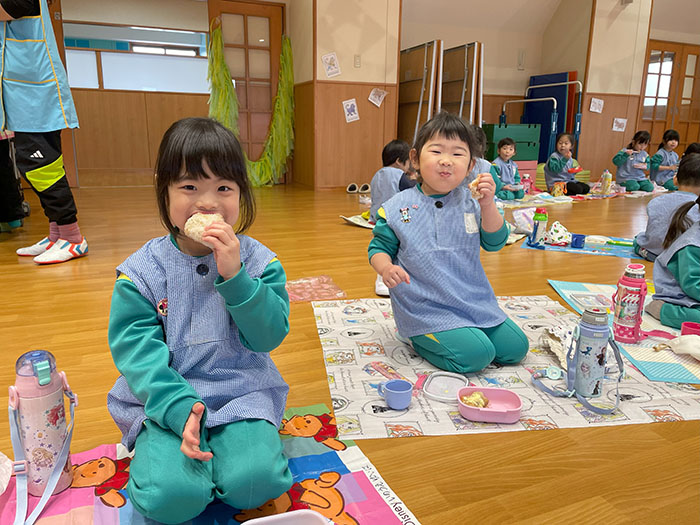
<point x="249" y="467"/>
<point x="40" y="161"/>
<point x="164" y="484"/>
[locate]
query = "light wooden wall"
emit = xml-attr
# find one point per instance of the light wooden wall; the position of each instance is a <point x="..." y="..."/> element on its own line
<point x="599" y="143"/>
<point x="350" y="152"/>
<point x="493" y="104"/>
<point x="303" y="160"/>
<point x="120" y="132"/>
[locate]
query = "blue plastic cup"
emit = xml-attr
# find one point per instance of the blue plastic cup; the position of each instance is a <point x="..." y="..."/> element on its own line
<point x="397" y="393"/>
<point x="577" y="240"/>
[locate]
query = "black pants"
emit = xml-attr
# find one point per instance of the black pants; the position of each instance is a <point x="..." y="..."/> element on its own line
<point x="577" y="187"/>
<point x="39" y="159"/>
<point x="11" y="196"/>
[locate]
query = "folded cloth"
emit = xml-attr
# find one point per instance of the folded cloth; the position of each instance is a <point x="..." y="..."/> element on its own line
<point x="557" y="235"/>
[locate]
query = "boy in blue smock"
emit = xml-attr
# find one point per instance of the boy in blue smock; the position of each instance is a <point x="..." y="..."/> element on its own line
<point x="649" y="243"/>
<point x="385" y="182"/>
<point x="505" y="172"/>
<point x="426" y="248"/>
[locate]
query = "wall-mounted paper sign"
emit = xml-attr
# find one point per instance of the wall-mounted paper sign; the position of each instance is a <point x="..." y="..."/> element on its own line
<point x="350" y="110"/>
<point x="376" y="96"/>
<point x="619" y="124"/>
<point x="331" y="65"/>
<point x="596" y="105"/>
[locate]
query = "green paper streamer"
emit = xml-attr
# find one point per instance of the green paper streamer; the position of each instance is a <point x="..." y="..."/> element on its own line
<point x="223" y="107"/>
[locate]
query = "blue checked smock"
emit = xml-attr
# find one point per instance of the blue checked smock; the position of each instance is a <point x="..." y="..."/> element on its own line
<point x="663" y="157"/>
<point x="384" y="184"/>
<point x="667" y="287"/>
<point x="556" y="169"/>
<point x="660" y="210"/>
<point x="186" y="336"/>
<point x="506" y="171"/>
<point x="625" y="163"/>
<point x="438" y="245"/>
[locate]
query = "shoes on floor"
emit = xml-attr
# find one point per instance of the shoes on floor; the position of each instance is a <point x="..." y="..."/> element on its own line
<point x="352" y="188"/>
<point x="380" y="288"/>
<point x="62" y="251"/>
<point x="35" y="249"/>
<point x="365" y="188"/>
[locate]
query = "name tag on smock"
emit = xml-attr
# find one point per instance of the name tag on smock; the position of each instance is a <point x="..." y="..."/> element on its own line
<point x="470" y="224"/>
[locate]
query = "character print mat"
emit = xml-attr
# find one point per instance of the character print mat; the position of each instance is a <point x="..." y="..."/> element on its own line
<point x="614" y="250"/>
<point x="664" y="365"/>
<point x="361" y="350"/>
<point x="331" y="477"/>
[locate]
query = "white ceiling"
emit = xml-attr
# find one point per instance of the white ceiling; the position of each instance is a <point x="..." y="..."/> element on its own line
<point x="494" y="14"/>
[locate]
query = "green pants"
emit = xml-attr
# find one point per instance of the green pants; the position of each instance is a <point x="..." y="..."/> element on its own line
<point x="634" y="185"/>
<point x="248" y="469"/>
<point x="465" y="350"/>
<point x="507" y="195"/>
<point x="674" y="315"/>
<point x="670" y="186"/>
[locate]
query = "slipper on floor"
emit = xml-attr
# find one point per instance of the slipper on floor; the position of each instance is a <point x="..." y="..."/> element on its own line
<point x="365" y="188"/>
<point x="352" y="188"/>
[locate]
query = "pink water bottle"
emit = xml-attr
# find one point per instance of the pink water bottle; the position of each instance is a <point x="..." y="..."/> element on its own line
<point x="628" y="304"/>
<point x="40" y="435"/>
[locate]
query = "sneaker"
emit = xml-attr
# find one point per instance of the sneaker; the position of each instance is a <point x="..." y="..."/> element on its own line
<point x="380" y="288"/>
<point x="36" y="249"/>
<point x="62" y="251"/>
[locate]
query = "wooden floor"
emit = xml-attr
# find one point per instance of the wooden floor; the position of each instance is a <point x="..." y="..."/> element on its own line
<point x="624" y="474"/>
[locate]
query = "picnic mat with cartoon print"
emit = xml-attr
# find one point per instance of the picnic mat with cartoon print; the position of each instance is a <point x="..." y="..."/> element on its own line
<point x="331" y="477"/>
<point x="361" y="350"/>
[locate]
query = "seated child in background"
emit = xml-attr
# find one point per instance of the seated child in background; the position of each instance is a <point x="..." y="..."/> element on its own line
<point x="677" y="269"/>
<point x="199" y="399"/>
<point x="426" y="247"/>
<point x="631" y="163"/>
<point x="505" y="172"/>
<point x="664" y="163"/>
<point x="385" y="183"/>
<point x="556" y="169"/>
<point x="693" y="147"/>
<point x="481" y="165"/>
<point x="408" y="179"/>
<point x="649" y="243"/>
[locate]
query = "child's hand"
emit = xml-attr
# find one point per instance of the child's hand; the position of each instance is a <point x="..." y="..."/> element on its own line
<point x="394" y="275"/>
<point x="568" y="154"/>
<point x="190" y="435"/>
<point x="629" y="151"/>
<point x="227" y="248"/>
<point x="487" y="188"/>
<point x="640" y="165"/>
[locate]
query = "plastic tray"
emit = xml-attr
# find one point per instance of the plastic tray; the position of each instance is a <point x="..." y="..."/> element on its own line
<point x="444" y="386"/>
<point x="504" y="405"/>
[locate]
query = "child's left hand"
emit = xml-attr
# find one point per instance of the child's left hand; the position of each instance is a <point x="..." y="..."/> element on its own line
<point x="190" y="435"/>
<point x="487" y="188"/>
<point x="226" y="247"/>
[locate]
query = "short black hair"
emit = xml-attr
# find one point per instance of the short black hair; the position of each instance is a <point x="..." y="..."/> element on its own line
<point x="185" y="146"/>
<point x="507" y="141"/>
<point x="481" y="137"/>
<point x="568" y="135"/>
<point x="641" y="137"/>
<point x="693" y="147"/>
<point x="450" y="126"/>
<point x="395" y="150"/>
<point x="689" y="170"/>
